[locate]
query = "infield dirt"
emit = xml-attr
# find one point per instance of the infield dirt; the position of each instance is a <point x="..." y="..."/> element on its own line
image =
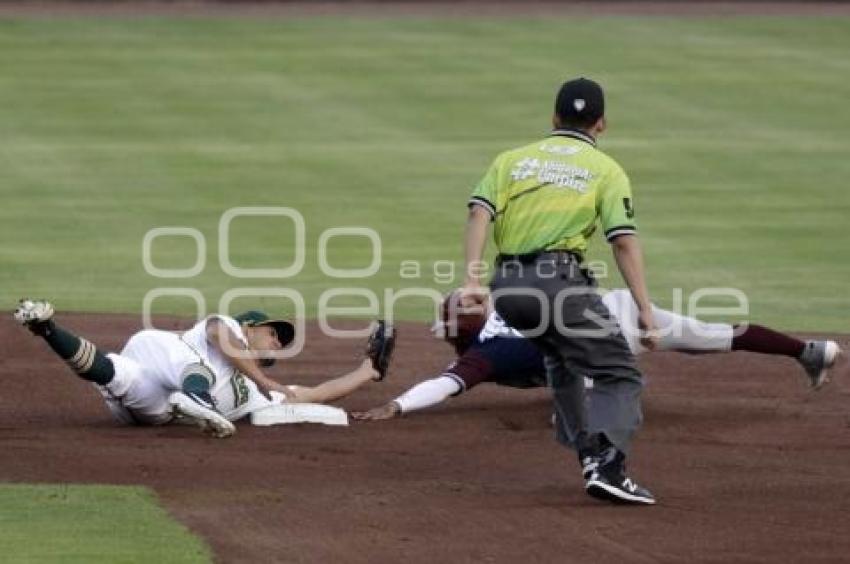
<point x="747" y="463"/>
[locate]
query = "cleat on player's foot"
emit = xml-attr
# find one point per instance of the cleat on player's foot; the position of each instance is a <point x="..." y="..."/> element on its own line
<point x="33" y="312"/>
<point x="379" y="350"/>
<point x="618" y="489"/>
<point x="817" y="358"/>
<point x="589" y="465"/>
<point x="608" y="480"/>
<point x="195" y="407"/>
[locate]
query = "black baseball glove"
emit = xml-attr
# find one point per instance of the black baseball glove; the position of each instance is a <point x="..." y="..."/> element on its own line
<point x="379" y="350"/>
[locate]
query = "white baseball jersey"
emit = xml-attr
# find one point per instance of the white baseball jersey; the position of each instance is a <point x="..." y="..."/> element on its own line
<point x="235" y="395"/>
<point x="156" y="362"/>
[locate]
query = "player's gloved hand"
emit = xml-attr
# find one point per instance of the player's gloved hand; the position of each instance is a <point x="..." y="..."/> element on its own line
<point x="648" y="331"/>
<point x="387" y="411"/>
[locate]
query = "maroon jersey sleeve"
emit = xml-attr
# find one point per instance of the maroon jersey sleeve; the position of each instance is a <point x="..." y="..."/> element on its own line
<point x="472" y="368"/>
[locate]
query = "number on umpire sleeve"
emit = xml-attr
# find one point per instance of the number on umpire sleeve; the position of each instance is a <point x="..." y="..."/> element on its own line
<point x="630" y="210"/>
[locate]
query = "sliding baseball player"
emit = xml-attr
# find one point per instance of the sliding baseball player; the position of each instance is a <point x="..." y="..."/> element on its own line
<point x="490" y="351"/>
<point x="210" y="375"/>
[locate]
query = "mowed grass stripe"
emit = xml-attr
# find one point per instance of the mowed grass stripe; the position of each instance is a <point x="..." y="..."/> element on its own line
<point x="732" y="129"/>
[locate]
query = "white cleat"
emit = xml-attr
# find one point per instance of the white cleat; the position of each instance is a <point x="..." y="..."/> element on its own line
<point x="817" y="358"/>
<point x="32" y="312"/>
<point x="205" y="415"/>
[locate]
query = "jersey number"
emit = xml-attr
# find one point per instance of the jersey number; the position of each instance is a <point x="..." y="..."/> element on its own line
<point x="630" y="210"/>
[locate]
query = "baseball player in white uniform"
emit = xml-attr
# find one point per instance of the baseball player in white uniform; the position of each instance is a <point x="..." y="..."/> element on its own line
<point x="210" y="375"/>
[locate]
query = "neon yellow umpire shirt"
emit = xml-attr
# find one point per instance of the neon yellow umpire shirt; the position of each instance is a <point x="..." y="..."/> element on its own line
<point x="548" y="195"/>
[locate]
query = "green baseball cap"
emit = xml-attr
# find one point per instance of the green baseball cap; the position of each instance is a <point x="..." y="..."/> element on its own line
<point x="253" y="318"/>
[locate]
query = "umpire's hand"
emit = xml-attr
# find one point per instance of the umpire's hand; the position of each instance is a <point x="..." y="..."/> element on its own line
<point x="473" y="294"/>
<point x="648" y="331"/>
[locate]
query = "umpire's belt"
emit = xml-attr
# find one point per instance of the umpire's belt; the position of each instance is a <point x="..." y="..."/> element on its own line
<point x="563" y="257"/>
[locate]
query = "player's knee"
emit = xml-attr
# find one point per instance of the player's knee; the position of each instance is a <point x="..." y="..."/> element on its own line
<point x="125" y="372"/>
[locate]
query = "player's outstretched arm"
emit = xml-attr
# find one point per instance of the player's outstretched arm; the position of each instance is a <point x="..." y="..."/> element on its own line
<point x="337" y="388"/>
<point x="380" y="413"/>
<point x="242" y="358"/>
<point x="421" y="396"/>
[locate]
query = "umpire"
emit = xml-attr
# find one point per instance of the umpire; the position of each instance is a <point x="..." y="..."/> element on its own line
<point x="545" y="199"/>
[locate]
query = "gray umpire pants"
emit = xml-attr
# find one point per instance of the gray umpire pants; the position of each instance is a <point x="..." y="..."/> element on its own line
<point x="552" y="301"/>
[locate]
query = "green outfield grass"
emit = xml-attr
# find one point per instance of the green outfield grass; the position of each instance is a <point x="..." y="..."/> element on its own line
<point x="734" y="131"/>
<point x="88" y="524"/>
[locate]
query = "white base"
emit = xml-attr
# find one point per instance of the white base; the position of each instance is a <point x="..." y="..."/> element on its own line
<point x="299" y="413"/>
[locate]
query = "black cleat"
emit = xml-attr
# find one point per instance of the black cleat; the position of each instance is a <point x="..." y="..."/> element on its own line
<point x="618" y="490"/>
<point x="609" y="482"/>
<point x="589" y="465"/>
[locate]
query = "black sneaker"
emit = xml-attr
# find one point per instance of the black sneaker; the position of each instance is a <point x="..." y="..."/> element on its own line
<point x="589" y="465"/>
<point x="609" y="482"/>
<point x="380" y="348"/>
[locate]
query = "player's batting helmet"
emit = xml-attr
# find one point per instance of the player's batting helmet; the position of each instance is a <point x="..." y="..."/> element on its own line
<point x="253" y="318"/>
<point x="284" y="329"/>
<point x="459" y="325"/>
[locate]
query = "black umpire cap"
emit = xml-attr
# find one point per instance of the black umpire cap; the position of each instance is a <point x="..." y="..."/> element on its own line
<point x="580" y="102"/>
